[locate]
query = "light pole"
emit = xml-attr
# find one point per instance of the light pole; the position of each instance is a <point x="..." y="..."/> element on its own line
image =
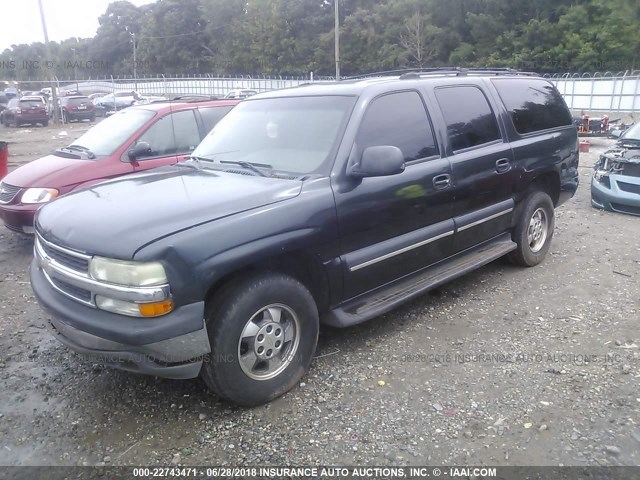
<point x="135" y="62"/>
<point x="336" y="4"/>
<point x="54" y="93"/>
<point x="75" y="73"/>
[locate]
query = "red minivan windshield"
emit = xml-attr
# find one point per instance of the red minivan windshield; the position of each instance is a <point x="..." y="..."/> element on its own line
<point x="109" y="135"/>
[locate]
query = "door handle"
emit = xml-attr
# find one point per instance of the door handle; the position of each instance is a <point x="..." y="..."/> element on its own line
<point x="503" y="165"/>
<point x="441" y="182"/>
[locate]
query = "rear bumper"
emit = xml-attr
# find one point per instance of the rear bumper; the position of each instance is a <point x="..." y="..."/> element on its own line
<point x="19" y="218"/>
<point x="615" y="199"/>
<point x="167" y="346"/>
<point x="32" y="118"/>
<point x="81" y="115"/>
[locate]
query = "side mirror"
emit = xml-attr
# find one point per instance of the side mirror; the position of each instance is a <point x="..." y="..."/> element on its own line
<point x="379" y="161"/>
<point x="140" y="149"/>
<point x="616" y="133"/>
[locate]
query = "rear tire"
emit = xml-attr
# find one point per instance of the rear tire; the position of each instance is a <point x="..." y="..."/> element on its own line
<point x="534" y="230"/>
<point x="45" y="123"/>
<point x="263" y="331"/>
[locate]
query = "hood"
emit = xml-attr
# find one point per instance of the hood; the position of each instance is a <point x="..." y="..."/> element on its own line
<point x="118" y="217"/>
<point x="52" y="172"/>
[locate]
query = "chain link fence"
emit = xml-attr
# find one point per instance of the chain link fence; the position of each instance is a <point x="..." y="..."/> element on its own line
<point x="593" y="92"/>
<point x="175" y="85"/>
<point x="600" y="91"/>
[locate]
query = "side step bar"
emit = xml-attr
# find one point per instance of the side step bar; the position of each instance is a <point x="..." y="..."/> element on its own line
<point x="387" y="297"/>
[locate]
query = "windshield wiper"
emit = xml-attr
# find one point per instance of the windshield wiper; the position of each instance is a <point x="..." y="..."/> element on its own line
<point x="89" y="153"/>
<point x="249" y="166"/>
<point x="199" y="159"/>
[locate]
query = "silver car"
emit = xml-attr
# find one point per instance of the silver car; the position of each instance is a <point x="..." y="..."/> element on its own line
<point x="615" y="185"/>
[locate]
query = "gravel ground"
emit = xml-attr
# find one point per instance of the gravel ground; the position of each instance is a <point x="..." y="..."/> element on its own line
<point x="506" y="366"/>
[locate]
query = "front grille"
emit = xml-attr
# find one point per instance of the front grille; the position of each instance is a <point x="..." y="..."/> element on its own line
<point x="629" y="187"/>
<point x="7" y="192"/>
<point x="72" y="291"/>
<point x="625" y="208"/>
<point x="631" y="169"/>
<point x="78" y="263"/>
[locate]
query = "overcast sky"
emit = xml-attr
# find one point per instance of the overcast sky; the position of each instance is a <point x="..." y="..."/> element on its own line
<point x="65" y="19"/>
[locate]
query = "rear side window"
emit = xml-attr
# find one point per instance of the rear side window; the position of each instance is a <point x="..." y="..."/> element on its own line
<point x="469" y="118"/>
<point x="399" y="120"/>
<point x="534" y="105"/>
<point x="212" y="115"/>
<point x="31" y="103"/>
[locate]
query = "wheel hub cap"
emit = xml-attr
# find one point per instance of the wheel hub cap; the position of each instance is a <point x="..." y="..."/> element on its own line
<point x="538" y="230"/>
<point x="268" y="342"/>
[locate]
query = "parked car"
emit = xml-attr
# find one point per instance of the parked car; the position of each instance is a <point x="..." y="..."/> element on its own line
<point x="25" y="110"/>
<point x="94" y="96"/>
<point x="132" y="140"/>
<point x="4" y="101"/>
<point x="615" y="185"/>
<point x="77" y="108"/>
<point x="240" y="94"/>
<point x="330" y="202"/>
<point x="115" y="101"/>
<point x="146" y="99"/>
<point x="11" y="92"/>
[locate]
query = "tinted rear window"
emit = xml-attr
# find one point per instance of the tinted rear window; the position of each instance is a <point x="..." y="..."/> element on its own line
<point x="470" y="120"/>
<point x="534" y="105"/>
<point x="31" y="103"/>
<point x="77" y="101"/>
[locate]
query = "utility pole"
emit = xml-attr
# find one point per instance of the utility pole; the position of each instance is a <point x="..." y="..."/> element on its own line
<point x="337" y="32"/>
<point x="135" y="62"/>
<point x="75" y="73"/>
<point x="54" y="93"/>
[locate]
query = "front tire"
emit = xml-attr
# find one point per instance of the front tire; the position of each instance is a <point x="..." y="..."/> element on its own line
<point x="263" y="331"/>
<point x="534" y="230"/>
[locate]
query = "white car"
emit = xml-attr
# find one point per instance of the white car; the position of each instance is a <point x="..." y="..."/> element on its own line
<point x="240" y="93"/>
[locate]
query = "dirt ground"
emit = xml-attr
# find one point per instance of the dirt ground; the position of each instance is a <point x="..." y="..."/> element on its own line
<point x="506" y="366"/>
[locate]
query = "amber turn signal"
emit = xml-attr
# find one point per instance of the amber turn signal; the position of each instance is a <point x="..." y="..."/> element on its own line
<point x="155" y="309"/>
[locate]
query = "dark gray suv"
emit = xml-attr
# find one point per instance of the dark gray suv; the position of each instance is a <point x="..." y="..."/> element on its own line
<point x="327" y="203"/>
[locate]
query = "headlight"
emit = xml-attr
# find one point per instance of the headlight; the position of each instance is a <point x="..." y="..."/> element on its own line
<point x="133" y="309"/>
<point x="39" y="195"/>
<point x="131" y="274"/>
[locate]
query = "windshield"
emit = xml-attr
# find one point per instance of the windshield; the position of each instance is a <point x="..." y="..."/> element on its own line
<point x="633" y="133"/>
<point x="295" y="134"/>
<point x="107" y="136"/>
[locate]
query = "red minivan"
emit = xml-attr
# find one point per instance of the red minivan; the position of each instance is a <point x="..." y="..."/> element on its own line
<point x="132" y="140"/>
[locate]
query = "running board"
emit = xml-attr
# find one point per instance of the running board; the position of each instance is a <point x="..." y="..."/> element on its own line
<point x="389" y="296"/>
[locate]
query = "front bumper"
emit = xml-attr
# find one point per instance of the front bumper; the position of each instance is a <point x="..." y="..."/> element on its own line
<point x="171" y="346"/>
<point x="618" y="198"/>
<point x="19" y="218"/>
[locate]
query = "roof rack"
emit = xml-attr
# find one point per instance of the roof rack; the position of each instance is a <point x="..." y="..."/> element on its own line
<point x="195" y="98"/>
<point x="413" y="73"/>
<point x="187" y="99"/>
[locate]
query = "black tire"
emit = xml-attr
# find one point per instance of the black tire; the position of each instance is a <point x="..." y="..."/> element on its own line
<point x="92" y="118"/>
<point x="232" y="310"/>
<point x="531" y="253"/>
<point x="45" y="123"/>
